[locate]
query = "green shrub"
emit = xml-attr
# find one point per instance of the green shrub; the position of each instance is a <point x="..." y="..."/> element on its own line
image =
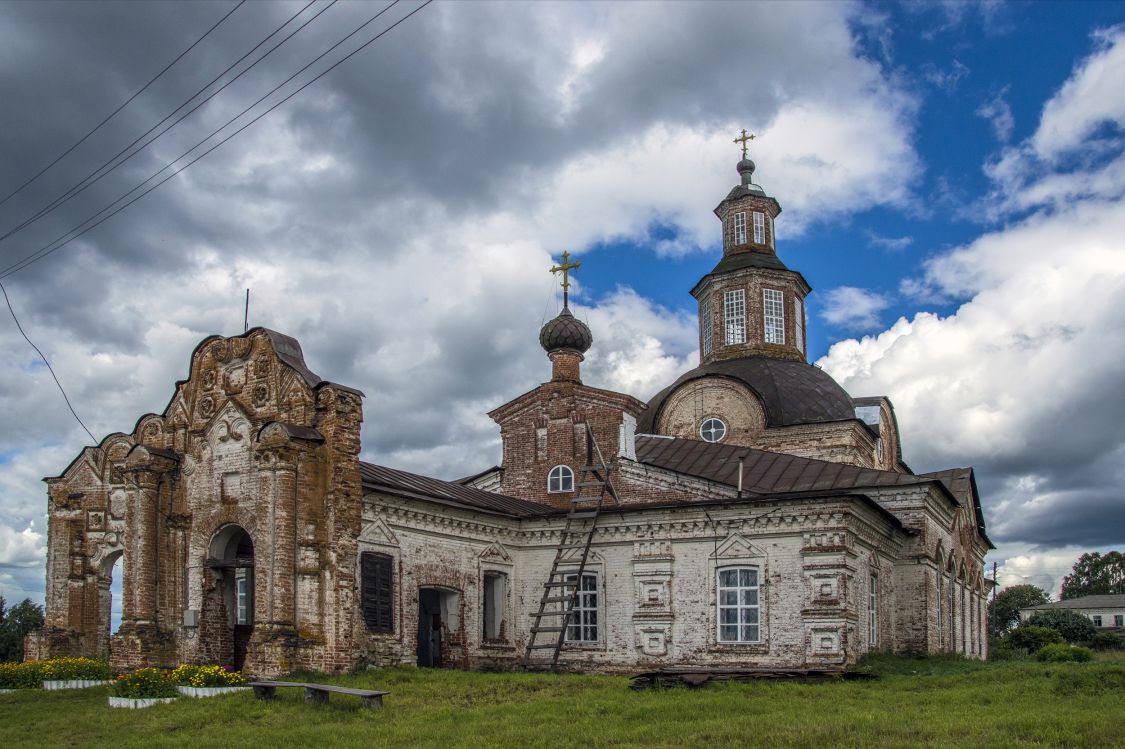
<point x="190" y="675"/>
<point x="1073" y="627"/>
<point x="144" y="683"/>
<point x="1060" y="652"/>
<point x="67" y="669"/>
<point x="1031" y="638"/>
<point x="1107" y="641"/>
<point x="20" y="675"/>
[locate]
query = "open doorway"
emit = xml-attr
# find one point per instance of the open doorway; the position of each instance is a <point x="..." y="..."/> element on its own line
<point x="231" y="555"/>
<point x="437" y="616"/>
<point x="109" y="600"/>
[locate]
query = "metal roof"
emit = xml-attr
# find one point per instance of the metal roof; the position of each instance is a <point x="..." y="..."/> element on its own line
<point x="1116" y="601"/>
<point x="762" y="472"/>
<point x="381" y="478"/>
<point x="791" y="392"/>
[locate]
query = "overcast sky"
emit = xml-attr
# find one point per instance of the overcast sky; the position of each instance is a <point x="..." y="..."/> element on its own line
<point x="952" y="176"/>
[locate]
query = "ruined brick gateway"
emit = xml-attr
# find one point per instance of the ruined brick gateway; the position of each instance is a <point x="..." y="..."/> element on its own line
<point x="767" y="518"/>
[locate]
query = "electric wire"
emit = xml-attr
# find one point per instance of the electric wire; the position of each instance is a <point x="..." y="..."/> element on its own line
<point x="111" y="115"/>
<point x="63" y="240"/>
<point x="90" y="179"/>
<point x="49" y="367"/>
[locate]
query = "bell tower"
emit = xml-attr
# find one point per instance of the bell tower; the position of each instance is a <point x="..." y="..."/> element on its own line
<point x="750" y="303"/>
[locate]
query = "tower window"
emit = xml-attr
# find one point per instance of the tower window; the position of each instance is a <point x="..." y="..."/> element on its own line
<point x="705" y="324"/>
<point x="759" y="228"/>
<point x="560" y="479"/>
<point x="740" y="228"/>
<point x="774" y="315"/>
<point x="773" y="237"/>
<point x="873" y="612"/>
<point x="734" y="315"/>
<point x="712" y="430"/>
<point x="798" y="324"/>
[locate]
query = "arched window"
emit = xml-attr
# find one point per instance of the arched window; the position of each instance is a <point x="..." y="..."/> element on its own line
<point x="712" y="430"/>
<point x="738" y="607"/>
<point x="560" y="479"/>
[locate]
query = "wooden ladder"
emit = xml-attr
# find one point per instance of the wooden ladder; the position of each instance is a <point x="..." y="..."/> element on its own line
<point x="560" y="591"/>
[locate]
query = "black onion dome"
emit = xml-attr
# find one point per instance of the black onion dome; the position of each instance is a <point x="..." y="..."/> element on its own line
<point x="566" y="332"/>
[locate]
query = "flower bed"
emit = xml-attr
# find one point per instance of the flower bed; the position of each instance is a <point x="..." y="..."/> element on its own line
<point x="144" y="684"/>
<point x="206" y="681"/>
<point x="20" y="675"/>
<point x="73" y="673"/>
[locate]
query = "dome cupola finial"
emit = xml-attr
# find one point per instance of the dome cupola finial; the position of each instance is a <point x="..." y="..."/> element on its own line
<point x="566" y="338"/>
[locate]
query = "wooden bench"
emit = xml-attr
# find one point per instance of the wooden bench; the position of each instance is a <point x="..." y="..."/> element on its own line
<point x="267" y="690"/>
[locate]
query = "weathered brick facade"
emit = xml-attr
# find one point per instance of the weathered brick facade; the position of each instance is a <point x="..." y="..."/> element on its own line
<point x="244" y="517"/>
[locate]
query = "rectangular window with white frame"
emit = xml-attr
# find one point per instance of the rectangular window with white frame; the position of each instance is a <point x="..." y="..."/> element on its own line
<point x="798" y="324"/>
<point x="734" y="316"/>
<point x="1097" y="620"/>
<point x="495" y="596"/>
<point x="873" y="612"/>
<point x="759" y="228"/>
<point x="705" y="323"/>
<point x="582" y="626"/>
<point x="242" y="595"/>
<point x="773" y="315"/>
<point x="1119" y="620"/>
<point x="739" y="235"/>
<point x="738" y="607"/>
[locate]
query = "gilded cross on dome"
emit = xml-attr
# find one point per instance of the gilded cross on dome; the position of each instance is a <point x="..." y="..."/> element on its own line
<point x="566" y="267"/>
<point x="744" y="139"/>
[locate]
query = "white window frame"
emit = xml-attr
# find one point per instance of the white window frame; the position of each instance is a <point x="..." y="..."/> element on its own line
<point x="496" y="594"/>
<point x="759" y="227"/>
<point x="734" y="316"/>
<point x="560" y="480"/>
<point x="242" y="596"/>
<point x="873" y="611"/>
<point x="583" y="627"/>
<point x="799" y="324"/>
<point x="1096" y="619"/>
<point x="739" y="606"/>
<point x="706" y="326"/>
<point x="738" y="233"/>
<point x="704" y="431"/>
<point x="773" y="316"/>
<point x="1119" y="620"/>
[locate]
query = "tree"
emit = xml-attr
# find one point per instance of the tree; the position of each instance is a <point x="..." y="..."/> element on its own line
<point x="1074" y="627"/>
<point x="1095" y="574"/>
<point x="1003" y="613"/>
<point x="1032" y="638"/>
<point x="15" y="623"/>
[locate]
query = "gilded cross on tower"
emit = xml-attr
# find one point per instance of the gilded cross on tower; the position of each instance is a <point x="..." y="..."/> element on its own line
<point x="744" y="139"/>
<point x="566" y="267"/>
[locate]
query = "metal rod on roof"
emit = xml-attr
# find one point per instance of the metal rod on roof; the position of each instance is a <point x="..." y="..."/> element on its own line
<point x="246" y="319"/>
<point x="741" y="460"/>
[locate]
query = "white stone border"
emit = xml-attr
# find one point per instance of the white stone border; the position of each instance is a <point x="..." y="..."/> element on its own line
<point x="56" y="684"/>
<point x="136" y="704"/>
<point x="209" y="691"/>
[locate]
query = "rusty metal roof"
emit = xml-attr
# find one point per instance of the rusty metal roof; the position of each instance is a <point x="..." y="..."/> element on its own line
<point x="762" y="472"/>
<point x="791" y="392"/>
<point x="381" y="478"/>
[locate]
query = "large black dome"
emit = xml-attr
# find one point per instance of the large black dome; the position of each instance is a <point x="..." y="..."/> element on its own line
<point x="791" y="392"/>
<point x="566" y="332"/>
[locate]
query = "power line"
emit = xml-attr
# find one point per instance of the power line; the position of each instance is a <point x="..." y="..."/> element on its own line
<point x="62" y="240"/>
<point x="87" y="182"/>
<point x="139" y="91"/>
<point x="44" y="358"/>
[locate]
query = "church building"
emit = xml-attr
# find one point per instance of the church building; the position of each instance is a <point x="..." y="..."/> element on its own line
<point x="751" y="514"/>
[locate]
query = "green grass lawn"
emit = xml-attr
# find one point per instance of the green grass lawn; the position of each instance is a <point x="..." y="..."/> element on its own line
<point x="937" y="702"/>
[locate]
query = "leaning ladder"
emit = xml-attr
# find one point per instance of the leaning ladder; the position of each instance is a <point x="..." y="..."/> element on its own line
<point x="560" y="592"/>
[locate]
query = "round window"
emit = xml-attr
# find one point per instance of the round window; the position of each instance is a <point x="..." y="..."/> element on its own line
<point x="712" y="430"/>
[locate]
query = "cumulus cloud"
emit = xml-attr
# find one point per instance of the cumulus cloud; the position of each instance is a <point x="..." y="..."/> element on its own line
<point x="1024" y="379"/>
<point x="998" y="114"/>
<point x="892" y="244"/>
<point x="853" y="308"/>
<point x="398" y="217"/>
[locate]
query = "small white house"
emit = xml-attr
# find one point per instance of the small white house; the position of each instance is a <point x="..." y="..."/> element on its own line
<point x="1103" y="611"/>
